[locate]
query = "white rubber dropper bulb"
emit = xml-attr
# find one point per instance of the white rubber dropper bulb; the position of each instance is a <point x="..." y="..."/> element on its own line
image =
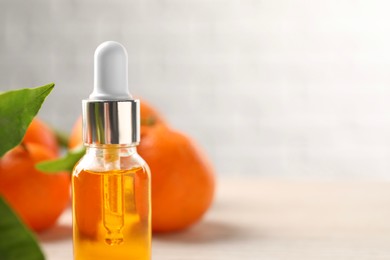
<point x="110" y="73"/>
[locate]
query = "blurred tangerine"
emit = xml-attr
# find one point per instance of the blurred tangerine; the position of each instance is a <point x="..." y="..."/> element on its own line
<point x="40" y="133"/>
<point x="37" y="197"/>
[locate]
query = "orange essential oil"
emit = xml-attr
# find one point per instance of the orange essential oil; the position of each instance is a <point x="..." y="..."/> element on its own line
<point x="111" y="209"/>
<point x="111" y="183"/>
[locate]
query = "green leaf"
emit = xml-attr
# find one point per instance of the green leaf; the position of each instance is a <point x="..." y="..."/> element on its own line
<point x="65" y="163"/>
<point x="16" y="241"/>
<point x="17" y="109"/>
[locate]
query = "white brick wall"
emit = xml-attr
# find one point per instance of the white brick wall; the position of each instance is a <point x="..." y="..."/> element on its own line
<point x="285" y="88"/>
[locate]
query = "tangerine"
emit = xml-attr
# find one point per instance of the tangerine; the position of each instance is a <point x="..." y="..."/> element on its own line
<point x="40" y="133"/>
<point x="76" y="135"/>
<point x="182" y="178"/>
<point x="37" y="197"/>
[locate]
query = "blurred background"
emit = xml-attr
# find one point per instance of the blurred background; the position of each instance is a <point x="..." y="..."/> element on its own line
<point x="267" y="88"/>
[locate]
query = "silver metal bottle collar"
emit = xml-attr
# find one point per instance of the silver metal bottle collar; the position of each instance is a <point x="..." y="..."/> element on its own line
<point x="111" y="122"/>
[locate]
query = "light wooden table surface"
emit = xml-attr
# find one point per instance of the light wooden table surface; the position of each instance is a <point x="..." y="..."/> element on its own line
<point x="273" y="219"/>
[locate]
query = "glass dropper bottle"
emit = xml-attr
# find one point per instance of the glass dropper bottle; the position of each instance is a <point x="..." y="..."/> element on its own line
<point x="111" y="183"/>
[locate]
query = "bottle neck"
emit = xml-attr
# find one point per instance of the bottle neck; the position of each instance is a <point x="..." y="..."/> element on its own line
<point x="107" y="149"/>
